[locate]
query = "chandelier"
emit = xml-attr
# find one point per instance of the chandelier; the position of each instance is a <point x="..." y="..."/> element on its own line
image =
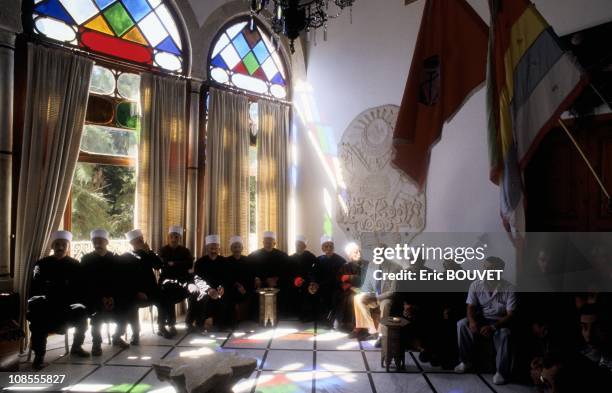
<point x="291" y="17"/>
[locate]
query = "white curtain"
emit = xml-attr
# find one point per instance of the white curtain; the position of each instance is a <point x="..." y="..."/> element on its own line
<point x="272" y="183"/>
<point x="162" y="158"/>
<point x="56" y="102"/>
<point x="226" y="189"/>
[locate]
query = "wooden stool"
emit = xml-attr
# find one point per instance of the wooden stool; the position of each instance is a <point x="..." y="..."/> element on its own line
<point x="392" y="347"/>
<point x="267" y="306"/>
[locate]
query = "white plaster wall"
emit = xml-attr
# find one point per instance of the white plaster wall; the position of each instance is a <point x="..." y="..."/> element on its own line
<point x="365" y="64"/>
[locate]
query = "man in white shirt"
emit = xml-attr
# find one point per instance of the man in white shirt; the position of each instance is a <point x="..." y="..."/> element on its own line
<point x="490" y="308"/>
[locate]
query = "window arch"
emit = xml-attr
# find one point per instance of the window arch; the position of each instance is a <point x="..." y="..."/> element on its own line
<point x="244" y="56"/>
<point x="139" y="31"/>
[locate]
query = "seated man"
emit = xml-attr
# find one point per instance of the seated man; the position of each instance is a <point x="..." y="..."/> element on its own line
<point x="490" y="309"/>
<point x="270" y="267"/>
<point x="238" y="280"/>
<point x="297" y="270"/>
<point x="210" y="310"/>
<point x="374" y="294"/>
<point x="138" y="282"/>
<point x="98" y="267"/>
<point x="351" y="276"/>
<point x="177" y="260"/>
<point x="597" y="335"/>
<point x="56" y="299"/>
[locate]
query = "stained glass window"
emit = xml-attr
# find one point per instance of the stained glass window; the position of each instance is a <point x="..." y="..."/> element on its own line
<point x="244" y="56"/>
<point x="140" y="31"/>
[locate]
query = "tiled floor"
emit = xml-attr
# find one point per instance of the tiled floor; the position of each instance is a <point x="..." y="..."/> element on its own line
<point x="292" y="358"/>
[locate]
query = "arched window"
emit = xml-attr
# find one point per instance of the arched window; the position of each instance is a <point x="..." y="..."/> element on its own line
<point x="139" y="31"/>
<point x="244" y="56"/>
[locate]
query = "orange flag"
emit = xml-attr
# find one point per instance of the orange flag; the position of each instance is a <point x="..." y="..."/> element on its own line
<point x="449" y="62"/>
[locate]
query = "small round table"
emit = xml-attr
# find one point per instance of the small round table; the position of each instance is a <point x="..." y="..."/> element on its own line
<point x="392" y="347"/>
<point x="267" y="306"/>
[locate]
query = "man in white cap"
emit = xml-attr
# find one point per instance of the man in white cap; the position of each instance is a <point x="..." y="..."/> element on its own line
<point x="351" y="276"/>
<point x="211" y="268"/>
<point x="270" y="265"/>
<point x="174" y="278"/>
<point x="239" y="288"/>
<point x="300" y="264"/>
<point x="322" y="280"/>
<point x="139" y="282"/>
<point x="98" y="269"/>
<point x="56" y="300"/>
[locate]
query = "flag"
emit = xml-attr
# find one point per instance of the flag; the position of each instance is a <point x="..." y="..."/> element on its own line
<point x="531" y="80"/>
<point x="448" y="63"/>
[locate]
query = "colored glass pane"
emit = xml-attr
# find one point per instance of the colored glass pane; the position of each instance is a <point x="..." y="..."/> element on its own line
<point x="247" y="59"/>
<point x="152" y="29"/>
<point x="250" y="62"/>
<point x="269" y="68"/>
<point x="128" y="85"/>
<point x="168" y="61"/>
<point x="54" y="8"/>
<point x="168" y="22"/>
<point x="230" y="56"/>
<point x="221" y="43"/>
<point x="127" y="115"/>
<point x="100" y="110"/>
<point x="80" y="10"/>
<point x="118" y="18"/>
<point x="55" y="29"/>
<point x="137" y="8"/>
<point x="261" y="52"/>
<point x="219" y="75"/>
<point x="102" y="80"/>
<point x="135" y="35"/>
<point x="242" y="47"/>
<point x="104" y="3"/>
<point x="149" y="23"/>
<point x="99" y="24"/>
<point x="116" y="47"/>
<point x="252" y="37"/>
<point x="168" y="46"/>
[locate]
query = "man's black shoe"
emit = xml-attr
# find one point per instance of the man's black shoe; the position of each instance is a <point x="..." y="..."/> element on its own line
<point x="79" y="351"/>
<point x="96" y="350"/>
<point x="120" y="343"/>
<point x="161" y="331"/>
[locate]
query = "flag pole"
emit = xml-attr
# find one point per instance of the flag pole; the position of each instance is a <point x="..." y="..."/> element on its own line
<point x="601" y="185"/>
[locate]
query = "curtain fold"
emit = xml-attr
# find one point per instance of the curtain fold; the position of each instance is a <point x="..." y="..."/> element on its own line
<point x="56" y="103"/>
<point x="226" y="189"/>
<point x="272" y="176"/>
<point x="162" y="157"/>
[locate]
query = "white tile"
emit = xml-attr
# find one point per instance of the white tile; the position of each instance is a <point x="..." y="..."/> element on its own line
<point x="340" y="361"/>
<point x="150" y="339"/>
<point x="455" y="383"/>
<point x="113" y="376"/>
<point x="108" y="351"/>
<point x="139" y="356"/>
<point x="400" y="383"/>
<point x="293" y="340"/>
<point x="212" y="340"/>
<point x="294" y="382"/>
<point x="73" y="372"/>
<point x="151" y="383"/>
<point x="374" y="362"/>
<point x="289" y="360"/>
<point x="245" y="385"/>
<point x="258" y="339"/>
<point x="330" y="382"/>
<point x="510" y="387"/>
<point x="252" y="353"/>
<point x="334" y="340"/>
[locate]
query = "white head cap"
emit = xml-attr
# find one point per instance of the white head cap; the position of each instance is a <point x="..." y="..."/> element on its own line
<point x="236" y="239"/>
<point x="101" y="233"/>
<point x="269" y="234"/>
<point x="326" y="238"/>
<point x="133" y="234"/>
<point x="210" y="239"/>
<point x="350" y="248"/>
<point x="301" y="238"/>
<point x="176" y="229"/>
<point x="63" y="235"/>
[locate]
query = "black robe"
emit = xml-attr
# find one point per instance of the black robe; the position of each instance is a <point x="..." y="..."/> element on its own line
<point x="268" y="264"/>
<point x="183" y="261"/>
<point x="135" y="270"/>
<point x="98" y="278"/>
